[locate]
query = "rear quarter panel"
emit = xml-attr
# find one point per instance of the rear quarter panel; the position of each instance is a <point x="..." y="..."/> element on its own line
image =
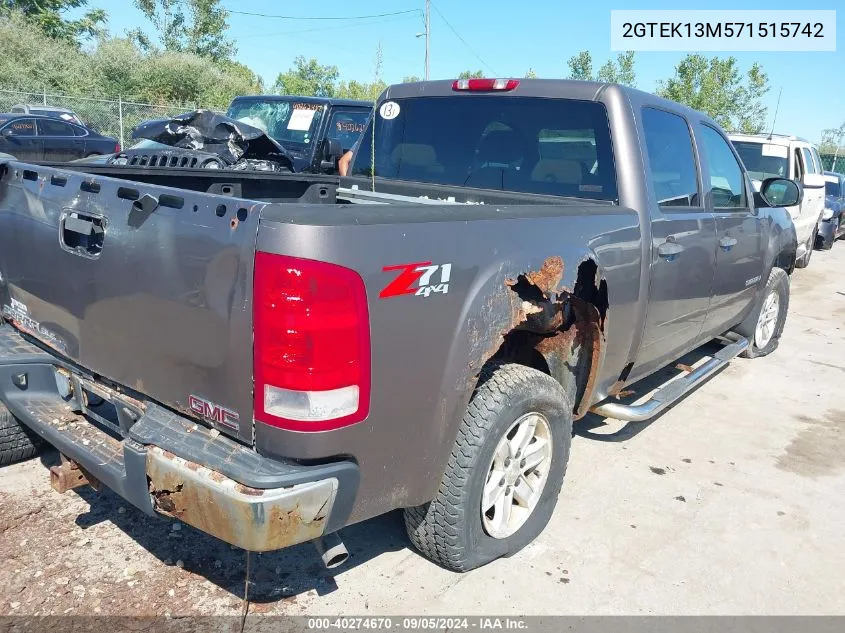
<point x="427" y="351"/>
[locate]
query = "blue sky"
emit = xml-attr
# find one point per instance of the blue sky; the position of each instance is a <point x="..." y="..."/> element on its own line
<point x="506" y="38"/>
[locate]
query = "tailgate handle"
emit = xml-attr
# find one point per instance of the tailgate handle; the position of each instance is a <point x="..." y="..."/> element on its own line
<point x="82" y="234"/>
<point x="142" y="208"/>
<point x="146" y="203"/>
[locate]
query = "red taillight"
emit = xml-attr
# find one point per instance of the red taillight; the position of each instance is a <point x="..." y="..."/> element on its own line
<point x="312" y="344"/>
<point x="485" y="85"/>
<point x="117" y="148"/>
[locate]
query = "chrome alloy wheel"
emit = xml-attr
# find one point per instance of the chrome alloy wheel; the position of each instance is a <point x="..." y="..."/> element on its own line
<point x="517" y="475"/>
<point x="767" y="321"/>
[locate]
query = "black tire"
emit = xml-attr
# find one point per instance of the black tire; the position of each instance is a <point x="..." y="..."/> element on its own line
<point x="449" y="529"/>
<point x="779" y="283"/>
<point x="17" y="442"/>
<point x="826" y="246"/>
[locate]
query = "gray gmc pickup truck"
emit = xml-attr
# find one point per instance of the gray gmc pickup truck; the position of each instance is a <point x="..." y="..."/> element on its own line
<point x="272" y="357"/>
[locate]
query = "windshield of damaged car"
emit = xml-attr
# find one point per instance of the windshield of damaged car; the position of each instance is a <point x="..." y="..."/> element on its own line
<point x="290" y="123"/>
<point x="522" y="144"/>
<point x="763" y="160"/>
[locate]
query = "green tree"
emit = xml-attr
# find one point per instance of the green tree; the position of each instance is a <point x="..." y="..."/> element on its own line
<point x="618" y="71"/>
<point x="717" y="87"/>
<point x="410" y="79"/>
<point x="187" y="26"/>
<point x="47" y="16"/>
<point x="531" y="74"/>
<point x="365" y="91"/>
<point x="831" y="139"/>
<point x="307" y="78"/>
<point x="34" y="61"/>
<point x="471" y="74"/>
<point x="360" y="90"/>
<point x="581" y="66"/>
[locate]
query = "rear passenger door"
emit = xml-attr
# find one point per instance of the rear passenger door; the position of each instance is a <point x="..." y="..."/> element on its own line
<point x="739" y="235"/>
<point x="59" y="140"/>
<point x="683" y="240"/>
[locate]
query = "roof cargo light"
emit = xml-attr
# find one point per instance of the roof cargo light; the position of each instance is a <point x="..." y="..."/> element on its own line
<point x="485" y="85"/>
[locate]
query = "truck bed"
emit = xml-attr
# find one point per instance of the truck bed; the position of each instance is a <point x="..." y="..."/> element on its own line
<point x="163" y="310"/>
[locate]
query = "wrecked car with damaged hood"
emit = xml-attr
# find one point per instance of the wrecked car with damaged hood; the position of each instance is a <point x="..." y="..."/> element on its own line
<point x="307" y="352"/>
<point x="262" y="133"/>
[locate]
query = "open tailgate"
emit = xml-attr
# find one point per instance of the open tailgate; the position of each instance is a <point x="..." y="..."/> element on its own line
<point x="147" y="286"/>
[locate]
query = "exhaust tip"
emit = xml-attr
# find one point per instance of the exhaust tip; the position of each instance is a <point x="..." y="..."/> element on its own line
<point x="332" y="550"/>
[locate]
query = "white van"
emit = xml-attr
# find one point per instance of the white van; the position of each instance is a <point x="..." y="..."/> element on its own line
<point x="777" y="156"/>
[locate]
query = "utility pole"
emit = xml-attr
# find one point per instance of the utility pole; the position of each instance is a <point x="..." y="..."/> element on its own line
<point x="427" y="35"/>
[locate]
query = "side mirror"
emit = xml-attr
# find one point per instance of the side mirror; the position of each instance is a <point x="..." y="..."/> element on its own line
<point x="7" y="132"/>
<point x="781" y="192"/>
<point x="332" y="151"/>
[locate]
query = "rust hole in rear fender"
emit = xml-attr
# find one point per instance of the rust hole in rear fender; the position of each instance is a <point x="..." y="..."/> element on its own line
<point x="557" y="330"/>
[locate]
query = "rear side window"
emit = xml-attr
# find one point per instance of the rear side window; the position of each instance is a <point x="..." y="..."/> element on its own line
<point x="818" y="159"/>
<point x="521" y="144"/>
<point x="49" y="127"/>
<point x="809" y="163"/>
<point x="671" y="160"/>
<point x="727" y="180"/>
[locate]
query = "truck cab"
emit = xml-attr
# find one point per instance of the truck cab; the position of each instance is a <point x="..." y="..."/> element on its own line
<point x="775" y="155"/>
<point x="314" y="130"/>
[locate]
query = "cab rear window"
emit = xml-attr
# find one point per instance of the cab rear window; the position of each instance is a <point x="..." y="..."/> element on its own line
<point x="521" y="144"/>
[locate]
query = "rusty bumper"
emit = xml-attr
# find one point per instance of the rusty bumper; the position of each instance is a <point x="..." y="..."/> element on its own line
<point x="251" y="518"/>
<point x="165" y="463"/>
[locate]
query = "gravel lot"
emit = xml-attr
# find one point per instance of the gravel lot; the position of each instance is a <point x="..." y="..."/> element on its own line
<point x="731" y="503"/>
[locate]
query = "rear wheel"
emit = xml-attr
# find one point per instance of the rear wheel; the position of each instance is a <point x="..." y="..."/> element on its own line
<point x="765" y="330"/>
<point x="504" y="474"/>
<point x="17" y="442"/>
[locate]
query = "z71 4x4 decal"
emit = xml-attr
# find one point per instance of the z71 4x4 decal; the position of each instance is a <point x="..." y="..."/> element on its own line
<point x="420" y="279"/>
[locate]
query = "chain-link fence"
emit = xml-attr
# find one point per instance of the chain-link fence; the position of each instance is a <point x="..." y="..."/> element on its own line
<point x="112" y="117"/>
<point x="832" y="161"/>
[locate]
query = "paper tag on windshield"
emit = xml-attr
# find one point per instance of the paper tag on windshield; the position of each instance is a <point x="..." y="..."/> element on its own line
<point x="775" y="150"/>
<point x="389" y="110"/>
<point x="301" y="120"/>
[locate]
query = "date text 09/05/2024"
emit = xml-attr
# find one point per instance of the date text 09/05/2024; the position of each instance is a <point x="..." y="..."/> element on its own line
<point x="722" y="29"/>
<point x="417" y="623"/>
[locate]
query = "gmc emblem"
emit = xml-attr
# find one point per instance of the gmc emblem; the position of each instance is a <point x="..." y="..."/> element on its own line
<point x="214" y="412"/>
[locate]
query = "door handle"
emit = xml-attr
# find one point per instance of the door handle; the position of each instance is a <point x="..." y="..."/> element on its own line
<point x="727" y="243"/>
<point x="670" y="249"/>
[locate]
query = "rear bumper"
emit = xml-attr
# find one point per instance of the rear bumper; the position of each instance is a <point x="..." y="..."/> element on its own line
<point x="165" y="463"/>
<point x="827" y="229"/>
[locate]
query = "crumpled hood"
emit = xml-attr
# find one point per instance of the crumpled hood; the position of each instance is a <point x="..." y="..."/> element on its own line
<point x="208" y="131"/>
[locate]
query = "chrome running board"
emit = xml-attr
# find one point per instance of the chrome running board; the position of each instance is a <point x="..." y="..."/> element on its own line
<point x="676" y="389"/>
